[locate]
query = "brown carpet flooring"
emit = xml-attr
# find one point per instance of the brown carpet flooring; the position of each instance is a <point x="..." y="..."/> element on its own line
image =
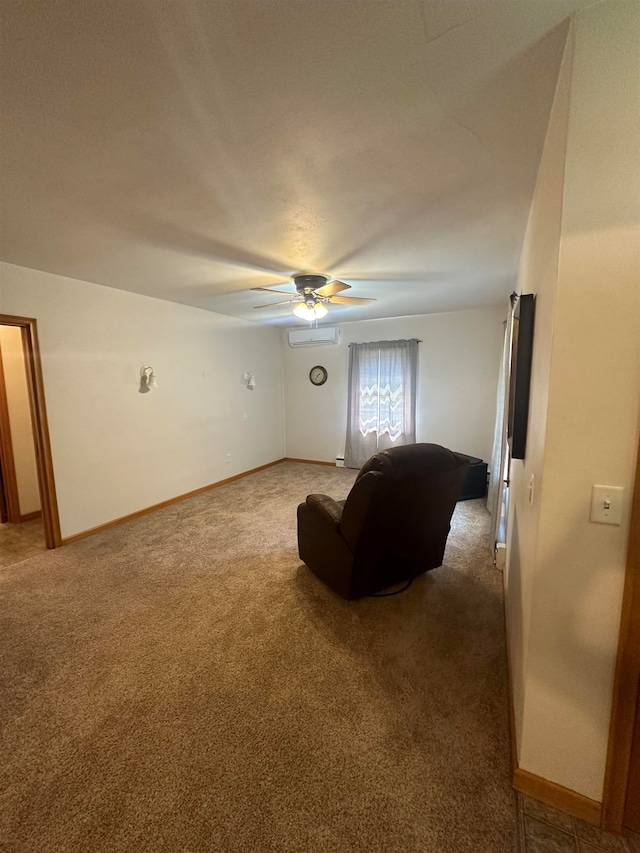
<point x="183" y="683"/>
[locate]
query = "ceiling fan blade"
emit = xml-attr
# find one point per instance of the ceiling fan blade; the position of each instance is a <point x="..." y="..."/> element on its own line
<point x="271" y="290"/>
<point x="332" y="287"/>
<point x="351" y="300"/>
<point x="271" y="304"/>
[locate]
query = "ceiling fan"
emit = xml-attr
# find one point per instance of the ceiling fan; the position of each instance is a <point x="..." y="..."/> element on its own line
<point x="315" y="292"/>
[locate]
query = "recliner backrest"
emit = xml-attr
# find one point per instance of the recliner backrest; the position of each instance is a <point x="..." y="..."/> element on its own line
<point x="400" y="508"/>
<point x="359" y="505"/>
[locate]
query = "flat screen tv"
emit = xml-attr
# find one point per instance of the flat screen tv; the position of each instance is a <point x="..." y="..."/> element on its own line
<point x="520" y="374"/>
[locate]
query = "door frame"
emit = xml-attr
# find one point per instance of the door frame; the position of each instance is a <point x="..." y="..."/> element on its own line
<point x="626" y="689"/>
<point x="44" y="459"/>
<point x="7" y="460"/>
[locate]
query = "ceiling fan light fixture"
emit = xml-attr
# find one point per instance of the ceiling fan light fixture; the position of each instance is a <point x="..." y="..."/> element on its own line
<point x="316" y="311"/>
<point x="320" y="310"/>
<point x="301" y="310"/>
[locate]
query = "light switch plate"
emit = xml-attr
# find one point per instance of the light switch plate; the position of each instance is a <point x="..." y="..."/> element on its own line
<point x="606" y="504"/>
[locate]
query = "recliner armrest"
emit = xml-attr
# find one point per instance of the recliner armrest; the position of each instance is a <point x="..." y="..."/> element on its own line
<point x="328" y="508"/>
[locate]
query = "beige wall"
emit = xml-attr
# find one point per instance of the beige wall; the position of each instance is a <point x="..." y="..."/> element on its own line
<point x="24" y="455"/>
<point x="116" y="451"/>
<point x="458" y="366"/>
<point x="564" y="573"/>
<point x="538" y="274"/>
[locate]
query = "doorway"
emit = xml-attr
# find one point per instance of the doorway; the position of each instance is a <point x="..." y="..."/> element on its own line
<point x="28" y="503"/>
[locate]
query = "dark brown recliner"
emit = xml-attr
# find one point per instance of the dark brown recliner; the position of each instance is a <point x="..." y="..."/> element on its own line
<point x="393" y="525"/>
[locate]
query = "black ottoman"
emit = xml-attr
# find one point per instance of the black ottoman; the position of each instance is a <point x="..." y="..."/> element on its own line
<point x="475" y="483"/>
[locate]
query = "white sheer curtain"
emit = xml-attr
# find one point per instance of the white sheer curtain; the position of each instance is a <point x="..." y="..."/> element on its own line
<point x="381" y="410"/>
<point x="495" y="494"/>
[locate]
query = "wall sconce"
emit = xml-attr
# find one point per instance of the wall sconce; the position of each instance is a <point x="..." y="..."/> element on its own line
<point x="250" y="380"/>
<point x="147" y="379"/>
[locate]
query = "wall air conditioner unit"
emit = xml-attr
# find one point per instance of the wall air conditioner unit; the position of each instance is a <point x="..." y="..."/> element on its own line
<point x="321" y="336"/>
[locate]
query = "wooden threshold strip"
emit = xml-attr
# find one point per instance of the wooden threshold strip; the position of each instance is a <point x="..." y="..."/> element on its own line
<point x="117" y="521"/>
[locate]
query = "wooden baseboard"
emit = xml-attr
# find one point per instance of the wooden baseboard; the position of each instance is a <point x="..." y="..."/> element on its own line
<point x="308" y="461"/>
<point x="117" y="521"/>
<point x="563" y="799"/>
<point x="31" y="516"/>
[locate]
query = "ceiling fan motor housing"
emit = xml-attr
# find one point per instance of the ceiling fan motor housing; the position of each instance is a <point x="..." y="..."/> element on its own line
<point x="310" y="281"/>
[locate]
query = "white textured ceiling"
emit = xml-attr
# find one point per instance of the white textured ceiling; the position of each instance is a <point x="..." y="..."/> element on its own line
<point x="193" y="150"/>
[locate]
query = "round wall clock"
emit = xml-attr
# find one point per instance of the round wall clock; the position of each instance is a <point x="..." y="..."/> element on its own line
<point x="318" y="375"/>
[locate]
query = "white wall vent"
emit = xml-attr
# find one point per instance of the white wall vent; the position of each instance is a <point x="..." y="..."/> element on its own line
<point x="322" y="336"/>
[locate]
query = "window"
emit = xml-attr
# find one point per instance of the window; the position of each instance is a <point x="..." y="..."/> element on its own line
<point x="382" y="398"/>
